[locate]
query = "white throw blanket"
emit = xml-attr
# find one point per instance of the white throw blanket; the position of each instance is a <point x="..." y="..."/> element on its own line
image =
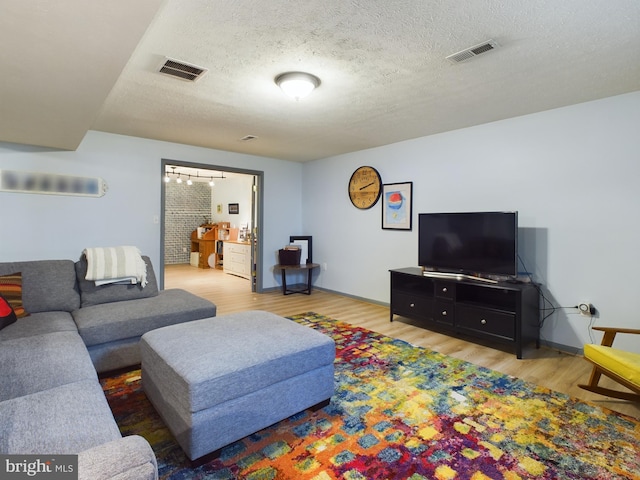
<point x="115" y="264"/>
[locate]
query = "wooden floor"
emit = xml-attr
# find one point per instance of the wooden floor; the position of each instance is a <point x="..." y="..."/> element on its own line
<point x="547" y="367"/>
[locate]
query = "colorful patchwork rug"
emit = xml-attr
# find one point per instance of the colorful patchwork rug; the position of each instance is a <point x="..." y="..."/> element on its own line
<point x="404" y="412"/>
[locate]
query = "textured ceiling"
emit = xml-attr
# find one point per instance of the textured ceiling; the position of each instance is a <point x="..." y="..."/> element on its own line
<point x="59" y="61"/>
<point x="385" y="76"/>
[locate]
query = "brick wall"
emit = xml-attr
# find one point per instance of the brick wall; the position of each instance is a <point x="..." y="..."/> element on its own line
<point x="186" y="208"/>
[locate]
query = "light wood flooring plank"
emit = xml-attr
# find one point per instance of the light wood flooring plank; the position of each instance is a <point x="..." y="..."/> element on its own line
<point x="547" y="367"/>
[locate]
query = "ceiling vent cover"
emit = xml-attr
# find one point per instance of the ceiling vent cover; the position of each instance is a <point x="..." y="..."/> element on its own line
<point x="474" y="51"/>
<point x="181" y="70"/>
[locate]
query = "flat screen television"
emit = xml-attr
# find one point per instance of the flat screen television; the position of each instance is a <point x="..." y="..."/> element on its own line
<point x="480" y="244"/>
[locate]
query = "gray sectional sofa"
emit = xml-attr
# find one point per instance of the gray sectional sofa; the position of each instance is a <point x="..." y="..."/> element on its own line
<point x="51" y="401"/>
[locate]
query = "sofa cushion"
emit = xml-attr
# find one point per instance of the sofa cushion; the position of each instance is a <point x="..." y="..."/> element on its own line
<point x="115" y="355"/>
<point x="38" y="324"/>
<point x="47" y="285"/>
<point x="128" y="458"/>
<point x="37" y="363"/>
<point x="62" y="420"/>
<point x="132" y="318"/>
<point x="92" y="295"/>
<point x="7" y="315"/>
<point x="11" y="289"/>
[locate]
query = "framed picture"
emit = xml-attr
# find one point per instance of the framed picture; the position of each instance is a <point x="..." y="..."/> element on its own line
<point x="397" y="206"/>
<point x="305" y="246"/>
<point x="219" y="208"/>
<point x="234" y="208"/>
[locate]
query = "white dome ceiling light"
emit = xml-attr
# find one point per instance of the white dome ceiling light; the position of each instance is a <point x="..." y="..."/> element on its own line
<point x="297" y="85"/>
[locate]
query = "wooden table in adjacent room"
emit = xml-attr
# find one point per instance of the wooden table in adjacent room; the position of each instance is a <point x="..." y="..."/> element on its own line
<point x="284" y="268"/>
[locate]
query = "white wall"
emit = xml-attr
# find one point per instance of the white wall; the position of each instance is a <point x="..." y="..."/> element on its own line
<point x="572" y="173"/>
<point x="232" y="190"/>
<point x="47" y="226"/>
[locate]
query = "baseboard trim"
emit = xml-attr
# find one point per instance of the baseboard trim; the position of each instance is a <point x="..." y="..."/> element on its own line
<point x="355" y="297"/>
<point x="563" y="348"/>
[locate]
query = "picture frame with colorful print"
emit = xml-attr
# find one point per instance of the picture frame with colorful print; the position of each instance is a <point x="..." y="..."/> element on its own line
<point x="397" y="206"/>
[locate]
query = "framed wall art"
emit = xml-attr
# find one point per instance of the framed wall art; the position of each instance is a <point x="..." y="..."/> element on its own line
<point x="234" y="208"/>
<point x="304" y="243"/>
<point x="397" y="206"/>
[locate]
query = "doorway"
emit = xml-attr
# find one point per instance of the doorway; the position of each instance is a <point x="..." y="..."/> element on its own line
<point x="206" y="194"/>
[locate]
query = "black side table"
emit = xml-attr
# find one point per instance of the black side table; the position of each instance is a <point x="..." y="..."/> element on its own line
<point x="283" y="269"/>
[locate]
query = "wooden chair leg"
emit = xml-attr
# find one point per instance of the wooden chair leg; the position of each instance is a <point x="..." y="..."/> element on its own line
<point x="594" y="378"/>
<point x="593" y="386"/>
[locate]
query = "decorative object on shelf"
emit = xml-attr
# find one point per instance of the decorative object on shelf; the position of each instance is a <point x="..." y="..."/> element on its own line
<point x="297" y="85"/>
<point x="234" y="208"/>
<point x="397" y="206"/>
<point x="243" y="233"/>
<point x="365" y="187"/>
<point x="14" y="181"/>
<point x="304" y="243"/>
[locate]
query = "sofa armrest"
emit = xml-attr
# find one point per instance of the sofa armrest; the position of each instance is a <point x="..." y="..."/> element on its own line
<point x="128" y="458"/>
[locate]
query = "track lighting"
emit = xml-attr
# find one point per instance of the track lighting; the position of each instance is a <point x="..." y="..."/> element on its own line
<point x="168" y="175"/>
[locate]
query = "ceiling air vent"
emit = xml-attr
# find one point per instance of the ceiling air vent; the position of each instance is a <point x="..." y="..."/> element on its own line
<point x="182" y="70"/>
<point x="474" y="51"/>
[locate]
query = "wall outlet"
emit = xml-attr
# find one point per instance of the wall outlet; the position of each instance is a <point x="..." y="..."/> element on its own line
<point x="324" y="266"/>
<point x="586" y="309"/>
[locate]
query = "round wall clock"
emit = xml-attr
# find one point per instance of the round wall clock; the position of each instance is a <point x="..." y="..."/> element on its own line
<point x="365" y="186"/>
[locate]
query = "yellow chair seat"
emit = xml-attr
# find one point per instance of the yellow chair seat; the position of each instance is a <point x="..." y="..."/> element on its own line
<point x="624" y="364"/>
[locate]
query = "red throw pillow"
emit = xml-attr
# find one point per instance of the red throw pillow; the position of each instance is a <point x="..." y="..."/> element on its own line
<point x="7" y="315"/>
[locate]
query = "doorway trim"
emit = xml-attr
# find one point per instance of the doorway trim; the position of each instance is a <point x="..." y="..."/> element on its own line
<point x="258" y="206"/>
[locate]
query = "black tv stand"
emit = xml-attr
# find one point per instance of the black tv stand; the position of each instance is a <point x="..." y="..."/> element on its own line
<point x="497" y="311"/>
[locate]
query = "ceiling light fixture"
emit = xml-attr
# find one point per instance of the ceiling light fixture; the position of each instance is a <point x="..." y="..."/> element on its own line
<point x="167" y="178"/>
<point x="297" y="85"/>
<point x="191" y="179"/>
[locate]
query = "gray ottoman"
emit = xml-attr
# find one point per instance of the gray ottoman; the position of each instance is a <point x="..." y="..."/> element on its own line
<point x="217" y="380"/>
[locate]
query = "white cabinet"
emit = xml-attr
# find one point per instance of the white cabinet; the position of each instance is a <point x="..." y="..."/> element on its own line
<point x="237" y="259"/>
